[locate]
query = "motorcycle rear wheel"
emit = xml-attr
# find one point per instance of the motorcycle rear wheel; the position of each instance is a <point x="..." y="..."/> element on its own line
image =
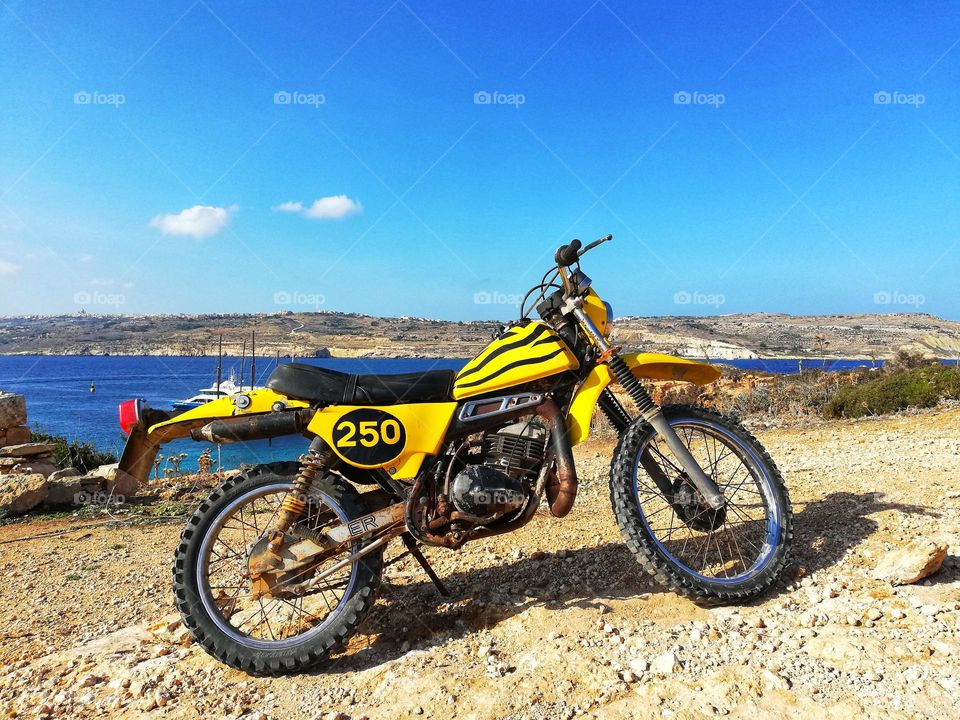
<point x="272" y="636"/>
<point x="710" y="557"/>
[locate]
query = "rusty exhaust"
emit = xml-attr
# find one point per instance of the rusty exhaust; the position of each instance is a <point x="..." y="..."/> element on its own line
<point x="254" y="427"/>
<point x="561" y="491"/>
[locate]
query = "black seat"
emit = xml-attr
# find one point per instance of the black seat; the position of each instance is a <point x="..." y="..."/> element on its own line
<point x="319" y="385"/>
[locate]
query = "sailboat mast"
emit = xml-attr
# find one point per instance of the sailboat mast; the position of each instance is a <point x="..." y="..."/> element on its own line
<point x="219" y="363"/>
<point x="253" y="359"/>
<point x="243" y="361"/>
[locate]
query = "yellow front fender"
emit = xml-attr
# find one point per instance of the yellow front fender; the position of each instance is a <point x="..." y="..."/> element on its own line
<point x="646" y="366"/>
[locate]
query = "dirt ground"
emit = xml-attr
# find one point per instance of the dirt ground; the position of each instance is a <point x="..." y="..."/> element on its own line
<point x="554" y="621"/>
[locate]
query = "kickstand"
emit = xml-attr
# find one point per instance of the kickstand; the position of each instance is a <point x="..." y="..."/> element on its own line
<point x="415" y="551"/>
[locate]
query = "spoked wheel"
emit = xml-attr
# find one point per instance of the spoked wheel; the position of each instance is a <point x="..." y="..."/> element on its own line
<point x="302" y="620"/>
<point x="730" y="554"/>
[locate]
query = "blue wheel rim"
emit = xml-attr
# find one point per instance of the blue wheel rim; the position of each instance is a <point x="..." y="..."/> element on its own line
<point x="763" y="481"/>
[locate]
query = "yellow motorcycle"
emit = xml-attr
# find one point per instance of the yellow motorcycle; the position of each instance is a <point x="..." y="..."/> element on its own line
<point x="279" y="565"/>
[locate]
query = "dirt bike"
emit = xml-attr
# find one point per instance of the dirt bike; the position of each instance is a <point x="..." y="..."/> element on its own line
<point x="279" y="565"/>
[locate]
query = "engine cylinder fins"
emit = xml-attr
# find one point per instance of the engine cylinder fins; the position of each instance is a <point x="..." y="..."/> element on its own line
<point x="519" y="448"/>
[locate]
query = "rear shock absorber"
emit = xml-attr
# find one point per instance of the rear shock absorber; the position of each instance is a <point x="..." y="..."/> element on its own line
<point x="315" y="461"/>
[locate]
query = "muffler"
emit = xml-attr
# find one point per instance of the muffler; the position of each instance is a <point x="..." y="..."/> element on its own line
<point x="254" y="427"/>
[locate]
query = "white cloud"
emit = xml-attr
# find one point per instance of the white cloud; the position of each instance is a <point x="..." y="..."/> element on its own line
<point x="8" y="268"/>
<point x="199" y="221"/>
<point x="333" y="207"/>
<point x="291" y="206"/>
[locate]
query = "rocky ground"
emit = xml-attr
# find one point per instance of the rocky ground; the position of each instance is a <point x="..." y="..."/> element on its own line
<point x="554" y="621"/>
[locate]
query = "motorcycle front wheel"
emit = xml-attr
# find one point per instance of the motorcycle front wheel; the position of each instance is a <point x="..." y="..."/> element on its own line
<point x="730" y="555"/>
<point x="292" y="631"/>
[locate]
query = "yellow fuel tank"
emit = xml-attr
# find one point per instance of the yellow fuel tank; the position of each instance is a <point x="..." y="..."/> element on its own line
<point x="521" y="354"/>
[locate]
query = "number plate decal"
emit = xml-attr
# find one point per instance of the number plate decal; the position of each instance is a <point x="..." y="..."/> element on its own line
<point x="369" y="437"/>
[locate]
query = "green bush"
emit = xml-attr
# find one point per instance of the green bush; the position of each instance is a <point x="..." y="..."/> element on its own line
<point x="80" y="455"/>
<point x="892" y="391"/>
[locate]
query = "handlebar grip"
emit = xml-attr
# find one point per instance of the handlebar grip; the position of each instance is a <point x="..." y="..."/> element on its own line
<point x="568" y="254"/>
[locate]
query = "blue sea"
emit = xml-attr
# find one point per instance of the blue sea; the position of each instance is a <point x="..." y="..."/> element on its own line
<point x="59" y="400"/>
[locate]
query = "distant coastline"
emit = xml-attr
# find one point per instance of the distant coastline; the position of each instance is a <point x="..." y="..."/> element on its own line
<point x="347" y="335"/>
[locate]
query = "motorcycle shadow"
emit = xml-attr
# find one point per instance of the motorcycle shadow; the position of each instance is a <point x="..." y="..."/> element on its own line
<point x="410" y="610"/>
<point x="825" y="530"/>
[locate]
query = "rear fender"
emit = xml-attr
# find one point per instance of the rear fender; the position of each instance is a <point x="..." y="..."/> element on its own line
<point x="158" y="427"/>
<point x="255" y="402"/>
<point x="645" y="366"/>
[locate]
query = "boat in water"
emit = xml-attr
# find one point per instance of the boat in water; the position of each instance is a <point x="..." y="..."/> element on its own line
<point x="221" y="390"/>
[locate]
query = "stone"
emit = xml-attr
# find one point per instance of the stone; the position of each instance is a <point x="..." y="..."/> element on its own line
<point x="68" y="491"/>
<point x="19" y="493"/>
<point x="912" y="562"/>
<point x="13" y="410"/>
<point x="107" y="472"/>
<point x="37" y="467"/>
<point x="665" y="664"/>
<point x="64" y="474"/>
<point x="27" y="450"/>
<point x="120" y="484"/>
<point x="16" y="436"/>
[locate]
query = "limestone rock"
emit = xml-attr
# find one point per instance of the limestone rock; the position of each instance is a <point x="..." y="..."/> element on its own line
<point x="13" y="410"/>
<point x="45" y="467"/>
<point x="665" y="664"/>
<point x="66" y="491"/>
<point x="912" y="562"/>
<point x="26" y="450"/>
<point x="19" y="493"/>
<point x="14" y="436"/>
<point x="64" y="474"/>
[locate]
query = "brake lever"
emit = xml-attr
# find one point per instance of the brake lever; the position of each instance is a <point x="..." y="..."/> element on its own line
<point x="594" y="244"/>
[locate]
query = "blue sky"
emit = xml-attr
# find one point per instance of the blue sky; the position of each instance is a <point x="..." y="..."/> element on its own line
<point x="798" y="157"/>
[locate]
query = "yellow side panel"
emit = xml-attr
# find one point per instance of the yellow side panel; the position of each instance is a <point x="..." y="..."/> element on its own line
<point x="522" y="354"/>
<point x="585" y="399"/>
<point x="395" y="437"/>
<point x="261" y="401"/>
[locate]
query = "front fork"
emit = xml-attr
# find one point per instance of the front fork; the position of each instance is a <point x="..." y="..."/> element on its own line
<point x="652" y="413"/>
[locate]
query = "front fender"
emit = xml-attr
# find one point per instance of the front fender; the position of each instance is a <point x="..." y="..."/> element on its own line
<point x="645" y="366"/>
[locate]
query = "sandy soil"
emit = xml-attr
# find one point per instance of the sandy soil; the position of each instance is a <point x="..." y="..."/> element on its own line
<point x="554" y="621"/>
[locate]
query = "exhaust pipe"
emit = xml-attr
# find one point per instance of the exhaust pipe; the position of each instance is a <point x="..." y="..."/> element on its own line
<point x="255" y="427"/>
<point x="562" y="493"/>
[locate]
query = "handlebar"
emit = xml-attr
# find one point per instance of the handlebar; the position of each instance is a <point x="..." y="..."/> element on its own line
<point x="567" y="255"/>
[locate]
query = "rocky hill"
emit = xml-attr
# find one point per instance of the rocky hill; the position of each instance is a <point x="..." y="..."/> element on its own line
<point x="351" y="335"/>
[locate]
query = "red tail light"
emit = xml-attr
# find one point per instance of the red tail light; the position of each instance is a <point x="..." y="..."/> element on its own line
<point x="129" y="414"/>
